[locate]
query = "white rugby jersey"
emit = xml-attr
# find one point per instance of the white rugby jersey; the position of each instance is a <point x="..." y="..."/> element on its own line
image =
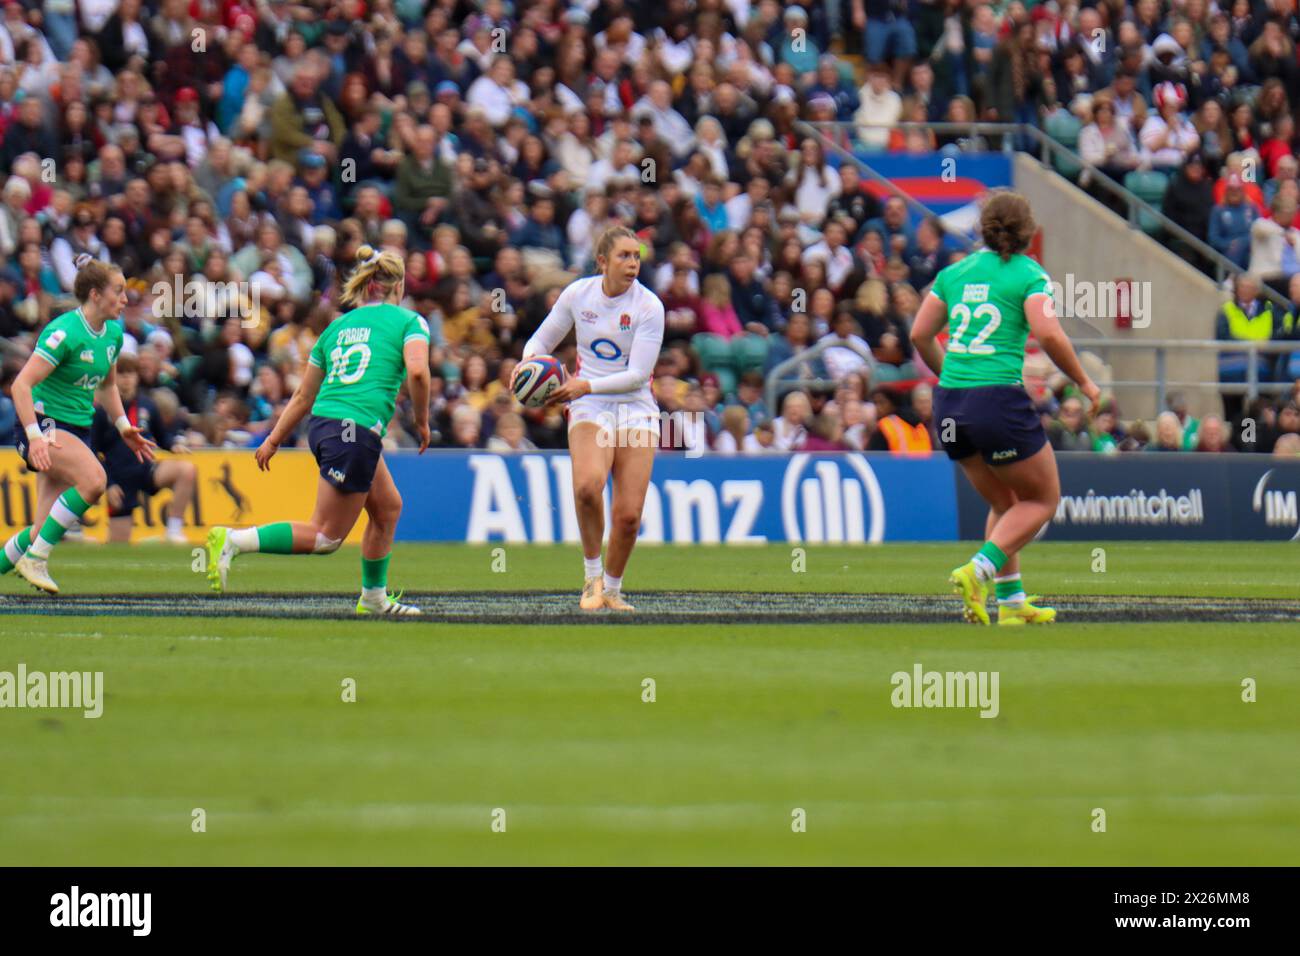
<point x="618" y="339"/>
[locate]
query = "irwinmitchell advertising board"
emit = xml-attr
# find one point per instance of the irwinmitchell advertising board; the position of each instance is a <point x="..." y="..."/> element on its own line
<point x="1154" y="496"/>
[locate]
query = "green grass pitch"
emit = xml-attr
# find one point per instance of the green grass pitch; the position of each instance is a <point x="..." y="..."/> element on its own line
<point x="244" y="719"/>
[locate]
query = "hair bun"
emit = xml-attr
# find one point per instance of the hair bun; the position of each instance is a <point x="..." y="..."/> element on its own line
<point x="366" y="254"/>
<point x="82" y="260"/>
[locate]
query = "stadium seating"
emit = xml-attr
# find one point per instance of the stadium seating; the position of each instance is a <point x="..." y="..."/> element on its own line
<point x="1064" y="127"/>
<point x="1148" y="185"/>
<point x="309" y="127"/>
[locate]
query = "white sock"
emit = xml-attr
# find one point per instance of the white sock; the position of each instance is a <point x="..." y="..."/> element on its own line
<point x="984" y="568"/>
<point x="11" y="550"/>
<point x="1018" y="597"/>
<point x="592" y="567"/>
<point x="245" y="539"/>
<point x="64" y="517"/>
<point x="374" y="596"/>
<point x="613" y="584"/>
<point x="176" y="526"/>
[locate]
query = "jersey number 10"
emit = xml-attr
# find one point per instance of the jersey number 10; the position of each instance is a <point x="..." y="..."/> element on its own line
<point x="341" y="358"/>
<point x="978" y="345"/>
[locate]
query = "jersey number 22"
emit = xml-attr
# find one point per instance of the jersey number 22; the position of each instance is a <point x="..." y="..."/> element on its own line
<point x="978" y="345"/>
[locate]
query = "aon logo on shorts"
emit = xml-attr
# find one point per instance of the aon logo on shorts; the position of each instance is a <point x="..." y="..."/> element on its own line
<point x="1004" y="455"/>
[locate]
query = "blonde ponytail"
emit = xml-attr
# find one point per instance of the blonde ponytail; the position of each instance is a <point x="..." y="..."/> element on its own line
<point x="382" y="267"/>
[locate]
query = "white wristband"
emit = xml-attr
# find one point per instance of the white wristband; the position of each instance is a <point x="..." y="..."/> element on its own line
<point x="34" y="431"/>
<point x="122" y="423"/>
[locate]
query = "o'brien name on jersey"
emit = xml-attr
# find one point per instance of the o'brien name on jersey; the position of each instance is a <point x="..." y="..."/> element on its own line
<point x="353" y="336"/>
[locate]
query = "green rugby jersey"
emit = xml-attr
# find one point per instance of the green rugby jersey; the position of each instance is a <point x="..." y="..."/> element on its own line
<point x="361" y="355"/>
<point x="987" y="327"/>
<point x="81" y="358"/>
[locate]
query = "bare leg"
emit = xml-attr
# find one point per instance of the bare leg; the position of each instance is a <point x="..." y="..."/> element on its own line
<point x="72" y="466"/>
<point x="999" y="496"/>
<point x="75" y="466"/>
<point x="633" y="464"/>
<point x="335" y="515"/>
<point x="1037" y="488"/>
<point x="48" y="489"/>
<point x="591" y="462"/>
<point x="180" y="476"/>
<point x="1013" y="561"/>
<point x="384" y="507"/>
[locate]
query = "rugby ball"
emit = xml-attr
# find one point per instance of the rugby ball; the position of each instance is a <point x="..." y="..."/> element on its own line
<point x="536" y="378"/>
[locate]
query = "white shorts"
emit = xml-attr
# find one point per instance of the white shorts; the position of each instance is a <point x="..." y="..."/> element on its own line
<point x="613" y="416"/>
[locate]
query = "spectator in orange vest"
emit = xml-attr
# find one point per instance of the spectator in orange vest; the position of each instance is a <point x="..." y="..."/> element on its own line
<point x="898" y="428"/>
<point x="923" y="405"/>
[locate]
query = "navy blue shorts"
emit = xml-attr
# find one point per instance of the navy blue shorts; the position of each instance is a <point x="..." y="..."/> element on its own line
<point x="133" y="479"/>
<point x="348" y="465"/>
<point x="79" y="432"/>
<point x="998" y="421"/>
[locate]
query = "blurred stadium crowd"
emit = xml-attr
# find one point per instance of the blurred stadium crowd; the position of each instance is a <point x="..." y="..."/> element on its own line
<point x="245" y="148"/>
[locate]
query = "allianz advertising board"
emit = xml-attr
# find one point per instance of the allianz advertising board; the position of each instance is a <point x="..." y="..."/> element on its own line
<point x="528" y="497"/>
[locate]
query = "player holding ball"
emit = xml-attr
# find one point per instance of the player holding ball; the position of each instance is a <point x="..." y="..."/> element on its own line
<point x="613" y="415"/>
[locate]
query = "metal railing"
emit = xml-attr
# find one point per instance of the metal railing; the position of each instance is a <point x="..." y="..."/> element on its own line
<point x="774" y="384"/>
<point x="1252" y="388"/>
<point x="1136" y="208"/>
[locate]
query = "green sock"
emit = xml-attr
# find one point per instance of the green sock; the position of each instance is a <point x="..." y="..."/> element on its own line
<point x="67" y="511"/>
<point x="993" y="554"/>
<point x="275" y="538"/>
<point x="374" y="572"/>
<point x="14" y="549"/>
<point x="988" y="561"/>
<point x="1009" y="587"/>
